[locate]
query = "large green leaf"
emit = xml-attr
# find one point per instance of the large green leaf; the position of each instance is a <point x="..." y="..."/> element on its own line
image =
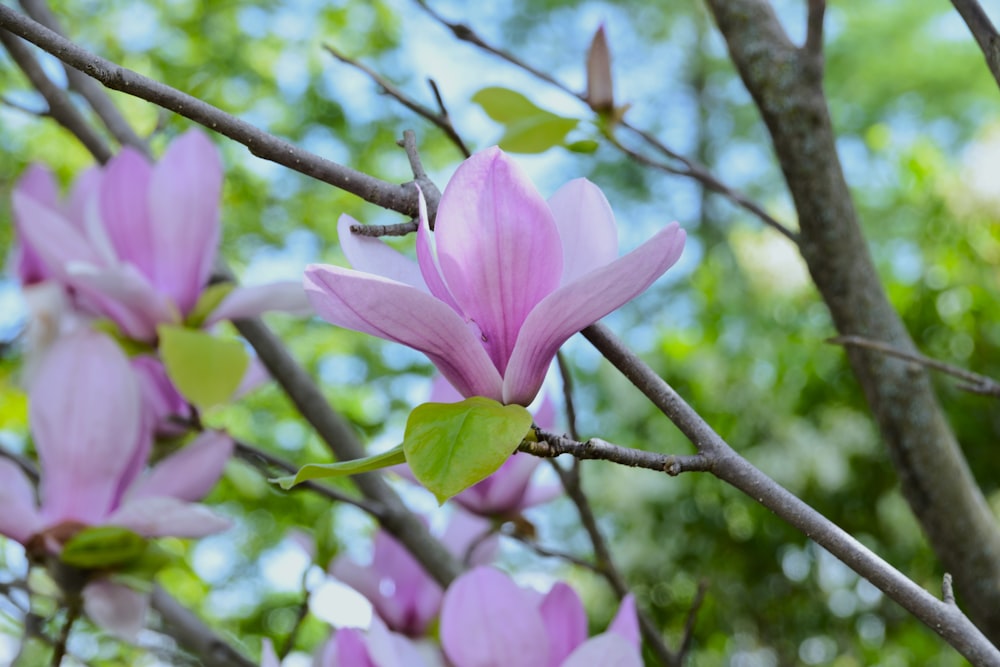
<point x="103" y="547"/>
<point x="451" y="446"/>
<point x="392" y="457"/>
<point x="205" y="369"/>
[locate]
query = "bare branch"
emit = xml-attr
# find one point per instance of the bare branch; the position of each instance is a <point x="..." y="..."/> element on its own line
<point x="983" y="30"/>
<point x="192" y="633"/>
<point x="89" y="89"/>
<point x="813" y="46"/>
<point x="400" y="198"/>
<point x="974" y="382"/>
<point x="440" y="119"/>
<point x="946" y="620"/>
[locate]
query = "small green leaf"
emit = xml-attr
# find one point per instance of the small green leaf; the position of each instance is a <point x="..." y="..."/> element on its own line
<point x="392" y="457"/>
<point x="505" y="105"/>
<point x="451" y="446"/>
<point x="205" y="369"/>
<point x="103" y="547"/>
<point x="537" y="134"/>
<point x="209" y="300"/>
<point x="583" y="146"/>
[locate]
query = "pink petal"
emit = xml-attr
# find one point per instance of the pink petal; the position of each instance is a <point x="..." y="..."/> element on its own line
<point x="85" y="417"/>
<point x="466" y="531"/>
<point x="184" y="205"/>
<point x="160" y="399"/>
<point x="587" y="228"/>
<point x="581" y="303"/>
<point x="19" y="519"/>
<point x="254" y="378"/>
<point x="607" y="650"/>
<point x="116" y="608"/>
<point x="284" y="297"/>
<point x="427" y="258"/>
<point x="404" y="314"/>
<point x="124" y="295"/>
<point x="268" y="658"/>
<point x="626" y="621"/>
<point x="51" y="236"/>
<point x="188" y="474"/>
<point x="124" y="209"/>
<point x="498" y="246"/>
<point x="167" y="517"/>
<point x="351" y="649"/>
<point x="37" y="183"/>
<point x="488" y="621"/>
<point x="502" y="492"/>
<point x="565" y="622"/>
<point x="370" y="255"/>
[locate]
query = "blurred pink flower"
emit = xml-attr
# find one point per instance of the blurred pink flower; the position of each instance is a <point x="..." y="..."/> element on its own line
<point x="506" y="280"/>
<point x="489" y="621"/>
<point x="375" y="647"/>
<point x="403" y="595"/>
<point x="135" y="242"/>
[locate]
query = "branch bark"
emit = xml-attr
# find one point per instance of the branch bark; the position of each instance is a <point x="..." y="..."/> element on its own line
<point x="787" y="87"/>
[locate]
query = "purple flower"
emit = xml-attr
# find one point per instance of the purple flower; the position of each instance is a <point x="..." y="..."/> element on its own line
<point x="86" y="420"/>
<point x="489" y="621"/>
<point x="136" y="241"/>
<point x="403" y="595"/>
<point x="376" y="647"/>
<point x="505" y="281"/>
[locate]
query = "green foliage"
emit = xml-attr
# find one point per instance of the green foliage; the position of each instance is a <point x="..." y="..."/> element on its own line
<point x="451" y="446"/>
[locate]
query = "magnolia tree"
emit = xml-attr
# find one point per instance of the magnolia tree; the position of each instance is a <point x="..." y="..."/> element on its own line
<point x="140" y="346"/>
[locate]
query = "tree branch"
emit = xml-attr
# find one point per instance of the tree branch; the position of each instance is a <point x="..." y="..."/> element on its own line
<point x="723" y="462"/>
<point x="982" y="29"/>
<point x="400" y="198"/>
<point x="193" y="635"/>
<point x="934" y="475"/>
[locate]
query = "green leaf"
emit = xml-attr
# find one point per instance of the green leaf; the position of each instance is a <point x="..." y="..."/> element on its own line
<point x="103" y="547"/>
<point x="392" y="457"/>
<point x="505" y="105"/>
<point x="205" y="369"/>
<point x="537" y="134"/>
<point x="529" y="128"/>
<point x="583" y="146"/>
<point x="209" y="300"/>
<point x="451" y="446"/>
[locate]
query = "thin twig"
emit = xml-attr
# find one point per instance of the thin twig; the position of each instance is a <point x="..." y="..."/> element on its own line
<point x="300" y="617"/>
<point x="692" y="616"/>
<point x="399" y="198"/>
<point x="974" y="382"/>
<point x="691" y="169"/>
<point x="546" y="552"/>
<point x="983" y="30"/>
<point x="440" y="119"/>
<point x="73" y="608"/>
<point x="399" y="229"/>
<point x="551" y="445"/>
<point x="452" y="133"/>
<point x="567" y="386"/>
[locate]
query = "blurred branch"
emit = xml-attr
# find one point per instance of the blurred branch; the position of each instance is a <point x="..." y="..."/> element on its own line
<point x="439" y="118"/>
<point x="193" y="635"/>
<point x="61" y="107"/>
<point x="983" y="30"/>
<point x="689" y="169"/>
<point x="973" y="382"/>
<point x="262" y="460"/>
<point x="400" y="198"/>
<point x="723" y="462"/>
<point x="934" y="475"/>
<point x="88" y="88"/>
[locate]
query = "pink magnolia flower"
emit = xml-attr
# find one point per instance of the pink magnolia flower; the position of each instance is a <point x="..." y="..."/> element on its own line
<point x="135" y="242"/>
<point x="489" y="621"/>
<point x="506" y="280"/>
<point x="403" y="595"/>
